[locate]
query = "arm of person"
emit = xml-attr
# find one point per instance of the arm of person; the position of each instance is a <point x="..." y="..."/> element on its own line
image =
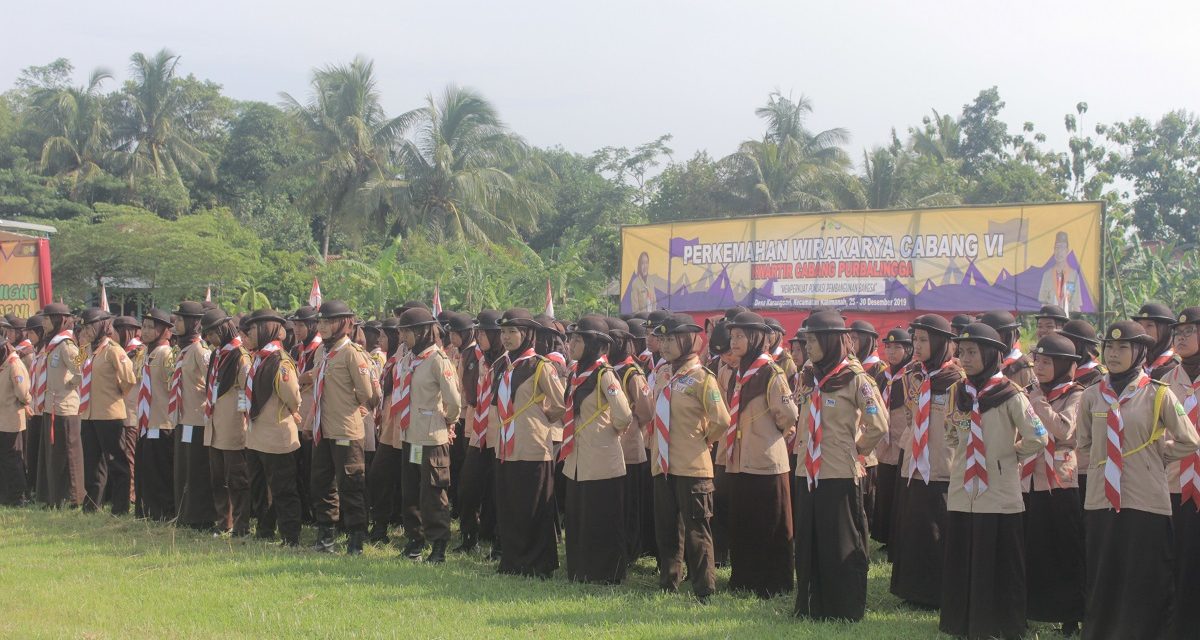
<point x="448" y="385"/>
<point x="21" y="382"/>
<point x="360" y="374"/>
<point x="715" y="412"/>
<point x="1182" y="438"/>
<point x="1060" y="424"/>
<point x="196" y="367"/>
<point x="640" y="402"/>
<point x="71" y="360"/>
<point x="872" y="416"/>
<point x="618" y="404"/>
<point x="779" y="402"/>
<point x="123" y="369"/>
<point x="287" y="385"/>
<point x="1029" y="426"/>
<point x="553" y="387"/>
<point x="1083" y="425"/>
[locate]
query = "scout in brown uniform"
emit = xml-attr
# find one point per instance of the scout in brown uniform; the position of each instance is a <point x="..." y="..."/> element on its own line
<point x="1050" y="318"/>
<point x="383" y="474"/>
<point x="273" y="391"/>
<point x="761" y="412"/>
<point x="1088" y="372"/>
<point x="1127" y="510"/>
<point x="992" y="428"/>
<point x="960" y="322"/>
<point x="1184" y="478"/>
<point x="34" y="333"/>
<point x="225" y="429"/>
<point x="633" y="439"/>
<point x="527" y="404"/>
<point x="1157" y="319"/>
<point x="459" y="330"/>
<point x="917" y="531"/>
<point x="844" y="420"/>
<point x="155" y="454"/>
<point x="342" y="393"/>
<point x="638" y="330"/>
<point x="722" y="364"/>
<point x="1016" y="365"/>
<point x="597" y="412"/>
<point x="1054" y="555"/>
<point x="476" y="499"/>
<point x="106" y="377"/>
<point x="14" y="400"/>
<point x="551" y="342"/>
<point x="60" y="466"/>
<point x="368" y="336"/>
<point x="864" y="345"/>
<point x="897" y="353"/>
<point x="429" y="404"/>
<point x="187" y="395"/>
<point x="129" y="333"/>
<point x="689" y="415"/>
<point x="775" y="347"/>
<point x="308" y="355"/>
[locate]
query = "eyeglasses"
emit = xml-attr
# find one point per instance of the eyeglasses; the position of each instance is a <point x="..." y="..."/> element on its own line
<point x="1186" y="331"/>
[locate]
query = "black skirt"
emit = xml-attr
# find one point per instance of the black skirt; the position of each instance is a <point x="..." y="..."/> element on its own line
<point x="1054" y="556"/>
<point x="917" y="543"/>
<point x="1186" y="522"/>
<point x="596" y="545"/>
<point x="897" y="510"/>
<point x="866" y="484"/>
<point x="831" y="557"/>
<point x="885" y="493"/>
<point x="983" y="582"/>
<point x="1130" y="575"/>
<point x="649" y="544"/>
<point x="720" y="519"/>
<point x="526" y="516"/>
<point x="635" y="477"/>
<point x="760" y="533"/>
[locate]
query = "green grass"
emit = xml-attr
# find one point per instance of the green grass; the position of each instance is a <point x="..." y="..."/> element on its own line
<point x="65" y="574"/>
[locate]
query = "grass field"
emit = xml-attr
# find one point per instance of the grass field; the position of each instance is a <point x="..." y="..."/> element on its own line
<point x="74" y="575"/>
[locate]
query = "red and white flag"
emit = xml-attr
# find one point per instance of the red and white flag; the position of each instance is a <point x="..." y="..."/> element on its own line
<point x="314" y="296"/>
<point x="208" y="294"/>
<point x="103" y="298"/>
<point x="549" y="300"/>
<point x="437" y="301"/>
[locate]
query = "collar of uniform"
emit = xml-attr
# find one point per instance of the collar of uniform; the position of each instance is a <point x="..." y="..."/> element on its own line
<point x="427" y="352"/>
<point x="340" y="343"/>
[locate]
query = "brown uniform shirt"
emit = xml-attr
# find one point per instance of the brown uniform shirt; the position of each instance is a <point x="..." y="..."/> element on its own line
<point x="1011" y="432"/>
<point x="939" y="450"/>
<point x="275" y="429"/>
<point x="698" y="418"/>
<point x="136" y="359"/>
<point x="194" y="360"/>
<point x="348" y="391"/>
<point x="227" y="427"/>
<point x="1059" y="419"/>
<point x="537" y="405"/>
<point x="160" y="379"/>
<point x="436" y="401"/>
<point x="852" y="423"/>
<point x="599" y="422"/>
<point x="760" y="448"/>
<point x="307" y="380"/>
<point x="637" y="394"/>
<point x="899" y="420"/>
<point x="112" y="378"/>
<point x="1181" y="386"/>
<point x="63" y="378"/>
<point x="1144" y="474"/>
<point x="14" y="395"/>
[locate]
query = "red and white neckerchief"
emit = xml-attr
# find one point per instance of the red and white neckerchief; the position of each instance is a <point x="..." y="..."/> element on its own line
<point x="662" y="418"/>
<point x="400" y="362"/>
<point x="1012" y="357"/>
<point x="646" y="358"/>
<point x="975" y="476"/>
<point x="43" y="377"/>
<point x="920" y="440"/>
<point x="1159" y="361"/>
<point x="1083" y="369"/>
<point x="1027" y="465"/>
<point x="133" y="346"/>
<point x="403" y="405"/>
<point x="85" y="385"/>
<point x="871" y="360"/>
<point x="214" y="368"/>
<point x="24" y="347"/>
<point x="38" y="376"/>
<point x="504" y="404"/>
<point x="483" y="400"/>
<point x="735" y="404"/>
<point x="777" y="353"/>
<point x="1114" y="460"/>
<point x="1189" y="467"/>
<point x="812" y="452"/>
<point x="652" y="377"/>
<point x="319" y="388"/>
<point x="305" y="361"/>
<point x="260" y="357"/>
<point x="145" y="395"/>
<point x="577" y="378"/>
<point x="175" y="391"/>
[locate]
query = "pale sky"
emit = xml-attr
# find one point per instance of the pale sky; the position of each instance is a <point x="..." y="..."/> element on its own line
<point x="614" y="72"/>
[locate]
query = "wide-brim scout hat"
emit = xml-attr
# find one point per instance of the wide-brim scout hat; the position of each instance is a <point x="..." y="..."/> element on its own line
<point x="333" y="310"/>
<point x="1156" y="312"/>
<point x="14" y="321"/>
<point x="189" y="309"/>
<point x="933" y="323"/>
<point x="826" y="322"/>
<point x="159" y="316"/>
<point x="263" y="315"/>
<point x="416" y="317"/>
<point x="1127" y="331"/>
<point x="5" y="324"/>
<point x="390" y="324"/>
<point x="549" y="325"/>
<point x="1080" y="330"/>
<point x="983" y="334"/>
<point x="862" y="326"/>
<point x="999" y="320"/>
<point x="56" y="309"/>
<point x="212" y="319"/>
<point x="960" y="322"/>
<point x="126" y="322"/>
<point x="488" y="320"/>
<point x="1190" y="315"/>
<point x="460" y="322"/>
<point x="592" y="326"/>
<point x="618" y="328"/>
<point x="677" y="323"/>
<point x="1053" y="312"/>
<point x="748" y="320"/>
<point x="656" y="318"/>
<point x="775" y="325"/>
<point x="518" y="317"/>
<point x="409" y="304"/>
<point x="1056" y="346"/>
<point x="897" y="336"/>
<point x="373" y="326"/>
<point x="304" y="314"/>
<point x="719" y="338"/>
<point x="94" y="314"/>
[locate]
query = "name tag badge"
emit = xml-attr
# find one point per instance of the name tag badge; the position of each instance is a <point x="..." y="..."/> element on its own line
<point x="939" y="399"/>
<point x="342" y="443"/>
<point x="830" y="402"/>
<point x="1099" y="414"/>
<point x="152" y="434"/>
<point x="187" y="433"/>
<point x="416" y="454"/>
<point x="54" y="360"/>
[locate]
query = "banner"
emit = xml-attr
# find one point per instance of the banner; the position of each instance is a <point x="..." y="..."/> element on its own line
<point x="1016" y="257"/>
<point x="21" y="292"/>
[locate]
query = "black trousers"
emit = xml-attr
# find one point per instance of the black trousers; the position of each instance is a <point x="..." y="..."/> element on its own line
<point x="683" y="509"/>
<point x="426" y="504"/>
<point x="476" y="499"/>
<point x="12" y="468"/>
<point x="831" y="550"/>
<point x="339" y="484"/>
<point x="105" y="462"/>
<point x="33" y="442"/>
<point x="60" y="465"/>
<point x="276" y="498"/>
<point x="230" y="477"/>
<point x="304" y="456"/>
<point x="458" y="455"/>
<point x="155" y="475"/>
<point x="193" y="481"/>
<point x="720" y="519"/>
<point x="383" y="482"/>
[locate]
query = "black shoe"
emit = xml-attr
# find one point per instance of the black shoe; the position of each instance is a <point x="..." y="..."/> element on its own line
<point x="354" y="546"/>
<point x="703" y="599"/>
<point x="1070" y="629"/>
<point x="379" y="534"/>
<point x="438" y="555"/>
<point x="413" y="549"/>
<point x="496" y="554"/>
<point x="324" y="543"/>
<point x="469" y="542"/>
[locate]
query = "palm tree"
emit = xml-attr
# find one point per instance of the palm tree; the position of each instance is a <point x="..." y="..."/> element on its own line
<point x="79" y="132"/>
<point x="893" y="179"/>
<point x="785" y="124"/>
<point x="463" y="173"/>
<point x="939" y="139"/>
<point x="154" y="132"/>
<point x="352" y="139"/>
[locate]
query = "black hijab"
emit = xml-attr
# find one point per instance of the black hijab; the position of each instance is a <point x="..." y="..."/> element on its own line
<point x="1119" y="381"/>
<point x="264" y="379"/>
<point x="997" y="395"/>
<point x="593" y="349"/>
